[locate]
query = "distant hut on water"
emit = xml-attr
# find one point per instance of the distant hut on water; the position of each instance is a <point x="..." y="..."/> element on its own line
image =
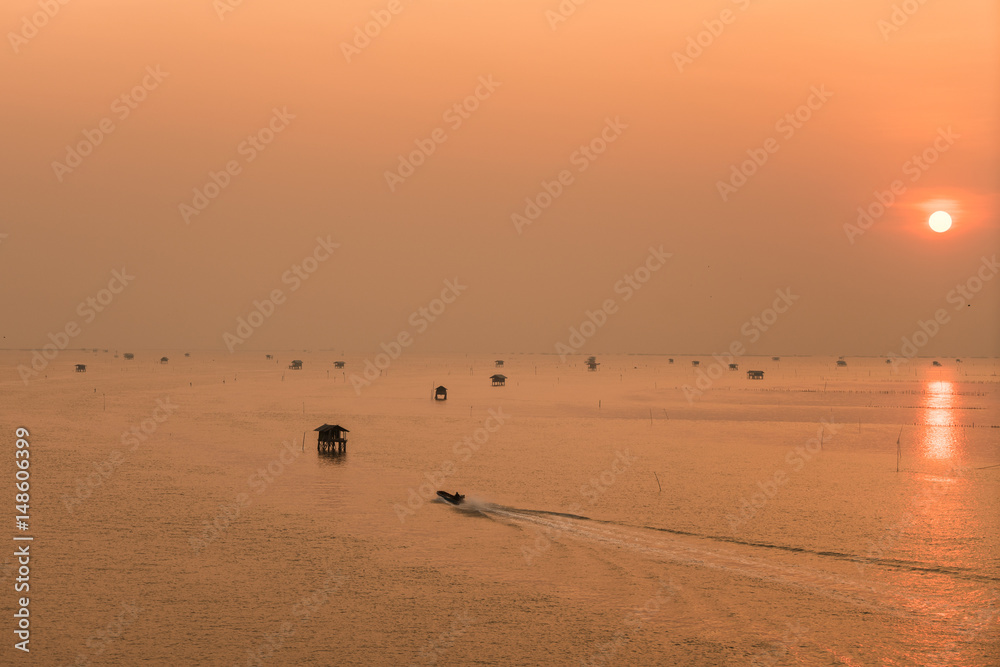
<point x="734" y="367"/>
<point x="331" y="438"/>
<point x="338" y="364"/>
<point x="498" y="363"/>
<point x="128" y="356"/>
<point x="441" y="393"/>
<point x="296" y="365"/>
<point x="498" y="380"/>
<point x="755" y="375"/>
<point x="164" y="360"/>
<point x="81" y="368"/>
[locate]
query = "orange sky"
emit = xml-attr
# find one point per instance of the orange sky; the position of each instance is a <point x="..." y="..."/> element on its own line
<point x="681" y="130"/>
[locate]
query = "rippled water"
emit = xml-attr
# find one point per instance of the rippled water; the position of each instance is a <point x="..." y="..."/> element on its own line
<point x="608" y="519"/>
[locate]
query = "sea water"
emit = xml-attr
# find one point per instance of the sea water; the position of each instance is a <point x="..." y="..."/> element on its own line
<point x="646" y="513"/>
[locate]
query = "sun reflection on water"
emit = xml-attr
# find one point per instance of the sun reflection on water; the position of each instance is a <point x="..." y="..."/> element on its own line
<point x="940" y="433"/>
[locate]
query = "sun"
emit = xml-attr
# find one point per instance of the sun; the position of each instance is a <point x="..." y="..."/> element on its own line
<point x="940" y="221"/>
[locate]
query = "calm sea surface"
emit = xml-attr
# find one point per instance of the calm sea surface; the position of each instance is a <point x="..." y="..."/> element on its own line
<point x="179" y="517"/>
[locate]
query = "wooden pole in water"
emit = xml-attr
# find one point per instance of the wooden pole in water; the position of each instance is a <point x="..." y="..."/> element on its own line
<point x="899" y="451"/>
<point x="303" y="441"/>
<point x="658" y="482"/>
<point x="651" y="416"/>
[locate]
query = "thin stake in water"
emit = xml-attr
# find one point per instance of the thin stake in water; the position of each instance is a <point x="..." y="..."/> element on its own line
<point x="899" y="451"/>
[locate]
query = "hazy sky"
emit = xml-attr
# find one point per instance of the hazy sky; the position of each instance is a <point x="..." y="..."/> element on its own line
<point x="670" y="97"/>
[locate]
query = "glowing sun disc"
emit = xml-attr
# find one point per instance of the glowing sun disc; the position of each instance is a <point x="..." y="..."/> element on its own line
<point x="940" y="221"/>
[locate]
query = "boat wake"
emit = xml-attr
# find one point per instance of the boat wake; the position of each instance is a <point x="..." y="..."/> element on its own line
<point x="743" y="558"/>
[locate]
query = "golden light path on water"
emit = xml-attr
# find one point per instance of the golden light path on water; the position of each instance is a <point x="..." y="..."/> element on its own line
<point x="940" y="434"/>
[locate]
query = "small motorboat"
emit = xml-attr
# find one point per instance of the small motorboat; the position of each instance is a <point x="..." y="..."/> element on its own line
<point x="453" y="498"/>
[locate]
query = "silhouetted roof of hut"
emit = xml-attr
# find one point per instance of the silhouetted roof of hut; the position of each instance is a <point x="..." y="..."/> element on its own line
<point x="331" y="427"/>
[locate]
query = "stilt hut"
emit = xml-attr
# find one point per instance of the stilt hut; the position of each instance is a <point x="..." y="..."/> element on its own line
<point x="696" y="363"/>
<point x="296" y="365"/>
<point x="128" y="356"/>
<point x="498" y="363"/>
<point x="775" y="358"/>
<point x="755" y="375"/>
<point x="338" y="364"/>
<point x="734" y="367"/>
<point x="268" y="356"/>
<point x="81" y="368"/>
<point x="935" y="363"/>
<point x="164" y="360"/>
<point x="441" y="393"/>
<point x="331" y="439"/>
<point x="670" y="361"/>
<point x="841" y="363"/>
<point x="498" y="380"/>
